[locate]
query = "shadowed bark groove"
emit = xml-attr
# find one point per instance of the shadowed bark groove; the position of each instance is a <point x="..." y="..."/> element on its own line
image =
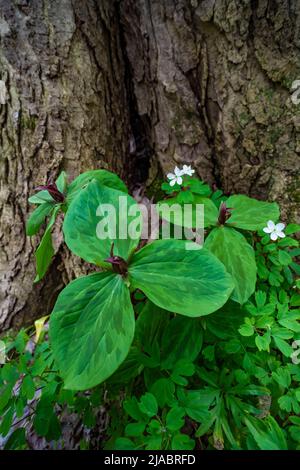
<point x="137" y="86"/>
<point x="213" y="78"/>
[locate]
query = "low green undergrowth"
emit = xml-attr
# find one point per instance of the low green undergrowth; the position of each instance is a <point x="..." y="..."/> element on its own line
<point x="182" y="346"/>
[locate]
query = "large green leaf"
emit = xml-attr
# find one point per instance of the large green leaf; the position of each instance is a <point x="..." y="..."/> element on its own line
<point x="84" y="216"/>
<point x="129" y="369"/>
<point x="150" y="325"/>
<point x="190" y="282"/>
<point x="104" y="177"/>
<point x="225" y="322"/>
<point x="45" y="251"/>
<point x="251" y="214"/>
<point x="237" y="256"/>
<point x="91" y="329"/>
<point x="190" y="210"/>
<point x="37" y="217"/>
<point x="182" y="339"/>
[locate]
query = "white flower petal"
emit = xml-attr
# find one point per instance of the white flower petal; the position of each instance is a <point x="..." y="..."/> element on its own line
<point x="170" y="176"/>
<point x="271" y="225"/>
<point x="179" y="180"/>
<point x="280" y="234"/>
<point x="274" y="236"/>
<point x="173" y="182"/>
<point x="267" y="230"/>
<point x="279" y="227"/>
<point x="187" y="170"/>
<point x="177" y="171"/>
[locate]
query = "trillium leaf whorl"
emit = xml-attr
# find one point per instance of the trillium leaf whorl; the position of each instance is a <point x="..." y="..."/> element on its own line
<point x="92" y="324"/>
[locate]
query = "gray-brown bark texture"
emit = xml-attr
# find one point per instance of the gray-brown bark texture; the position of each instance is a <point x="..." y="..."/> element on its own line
<point x="135" y="86"/>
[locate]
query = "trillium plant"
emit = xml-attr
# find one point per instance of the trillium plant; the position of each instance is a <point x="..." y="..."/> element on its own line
<point x="92" y="325"/>
<point x="55" y="197"/>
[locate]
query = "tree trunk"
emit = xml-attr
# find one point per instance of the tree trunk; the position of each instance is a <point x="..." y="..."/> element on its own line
<point x="212" y="80"/>
<point x="136" y="86"/>
<point x="63" y="69"/>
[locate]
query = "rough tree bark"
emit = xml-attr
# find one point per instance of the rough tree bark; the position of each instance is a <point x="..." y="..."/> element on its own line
<point x="63" y="69"/>
<point x="135" y="86"/>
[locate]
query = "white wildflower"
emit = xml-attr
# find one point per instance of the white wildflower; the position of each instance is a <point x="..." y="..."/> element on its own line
<point x="175" y="177"/>
<point x="187" y="170"/>
<point x="274" y="230"/>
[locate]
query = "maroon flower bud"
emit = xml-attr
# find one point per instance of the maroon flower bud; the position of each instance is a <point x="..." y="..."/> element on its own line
<point x="53" y="191"/>
<point x="224" y="213"/>
<point x="119" y="265"/>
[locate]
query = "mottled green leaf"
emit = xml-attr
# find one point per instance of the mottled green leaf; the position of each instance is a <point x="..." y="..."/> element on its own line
<point x="190" y="282"/>
<point x="232" y="249"/>
<point x="150" y="325"/>
<point x="182" y="339"/>
<point x="185" y="214"/>
<point x="100" y="209"/>
<point x="104" y="177"/>
<point x="91" y="329"/>
<point x="251" y="214"/>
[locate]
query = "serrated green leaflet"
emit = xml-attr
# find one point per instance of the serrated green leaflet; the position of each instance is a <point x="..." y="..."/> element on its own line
<point x="96" y="212"/>
<point x="104" y="177"/>
<point x="238" y="257"/>
<point x="267" y="434"/>
<point x="193" y="283"/>
<point x="251" y="214"/>
<point x="89" y="332"/>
